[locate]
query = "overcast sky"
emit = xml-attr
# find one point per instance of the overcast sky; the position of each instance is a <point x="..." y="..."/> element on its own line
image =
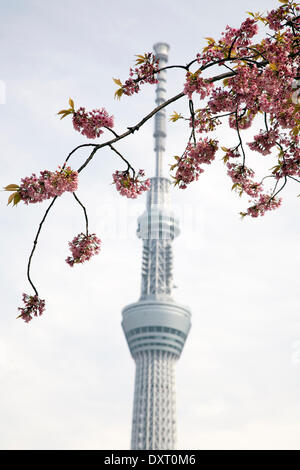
<point x="66" y="379"/>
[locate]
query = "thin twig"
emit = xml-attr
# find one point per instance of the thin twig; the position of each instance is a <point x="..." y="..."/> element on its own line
<point x="75" y="149"/>
<point x="85" y="214"/>
<point x="266" y="122"/>
<point x="112" y="131"/>
<point x="129" y="167"/>
<point x="240" y="139"/>
<point x="192" y="112"/>
<point x="35" y="243"/>
<point x="274" y="195"/>
<point x="295" y="179"/>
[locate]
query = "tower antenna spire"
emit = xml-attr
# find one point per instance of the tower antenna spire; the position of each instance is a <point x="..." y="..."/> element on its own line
<point x="161" y="50"/>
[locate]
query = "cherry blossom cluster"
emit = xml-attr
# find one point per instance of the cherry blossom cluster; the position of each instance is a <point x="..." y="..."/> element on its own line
<point x="34" y="306"/>
<point x="239" y="39"/>
<point x="195" y="83"/>
<point x="264" y="141"/>
<point x="90" y="123"/>
<point x="263" y="204"/>
<point x="49" y="184"/>
<point x="254" y="88"/>
<point x="222" y="100"/>
<point x="129" y="186"/>
<point x="188" y="166"/>
<point x="232" y="40"/>
<point x="289" y="158"/>
<point x="241" y="120"/>
<point x="242" y="179"/>
<point x="83" y="247"/>
<point x="231" y="153"/>
<point x="204" y="121"/>
<point x="275" y="18"/>
<point x="145" y="73"/>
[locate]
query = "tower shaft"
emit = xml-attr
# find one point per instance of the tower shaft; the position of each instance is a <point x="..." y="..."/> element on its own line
<point x="154" y="415"/>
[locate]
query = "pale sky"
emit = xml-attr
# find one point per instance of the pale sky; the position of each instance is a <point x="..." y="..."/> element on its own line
<point x="66" y="379"/>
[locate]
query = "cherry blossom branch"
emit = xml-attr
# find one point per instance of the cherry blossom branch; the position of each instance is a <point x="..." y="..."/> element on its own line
<point x="219" y="116"/>
<point x="90" y="157"/>
<point x="85" y="214"/>
<point x="75" y="149"/>
<point x="262" y="78"/>
<point x="266" y="122"/>
<point x="274" y="195"/>
<point x="192" y="112"/>
<point x="112" y="131"/>
<point x="239" y="136"/>
<point x="109" y="143"/>
<point x="35" y="243"/>
<point x="185" y="67"/>
<point x="132" y="129"/>
<point x="292" y="177"/>
<point x="129" y="167"/>
<point x="231" y="46"/>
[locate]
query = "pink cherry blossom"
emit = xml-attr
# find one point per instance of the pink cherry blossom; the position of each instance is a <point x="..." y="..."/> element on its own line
<point x="276" y="17"/>
<point x="34" y="306"/>
<point x="129" y="186"/>
<point x="188" y="166"/>
<point x="83" y="247"/>
<point x="242" y="179"/>
<point x="49" y="184"/>
<point x="222" y="100"/>
<point x="195" y="83"/>
<point x="204" y="121"/>
<point x="263" y="204"/>
<point x="264" y="141"/>
<point x="233" y="40"/>
<point x="90" y="123"/>
<point x="145" y="73"/>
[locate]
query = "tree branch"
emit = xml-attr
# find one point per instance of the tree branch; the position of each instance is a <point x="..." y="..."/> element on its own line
<point x="35" y="243"/>
<point x="85" y="214"/>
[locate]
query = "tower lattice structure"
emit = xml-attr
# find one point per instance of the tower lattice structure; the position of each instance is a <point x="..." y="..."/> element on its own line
<point x="156" y="327"/>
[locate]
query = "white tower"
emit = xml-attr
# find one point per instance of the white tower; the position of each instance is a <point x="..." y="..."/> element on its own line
<point x="156" y="327"/>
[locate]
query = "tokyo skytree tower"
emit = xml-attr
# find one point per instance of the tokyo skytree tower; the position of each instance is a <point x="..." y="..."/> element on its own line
<point x="156" y="327"/>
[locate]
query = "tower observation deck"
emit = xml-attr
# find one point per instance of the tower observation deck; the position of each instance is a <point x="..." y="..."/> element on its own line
<point x="156" y="327"/>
